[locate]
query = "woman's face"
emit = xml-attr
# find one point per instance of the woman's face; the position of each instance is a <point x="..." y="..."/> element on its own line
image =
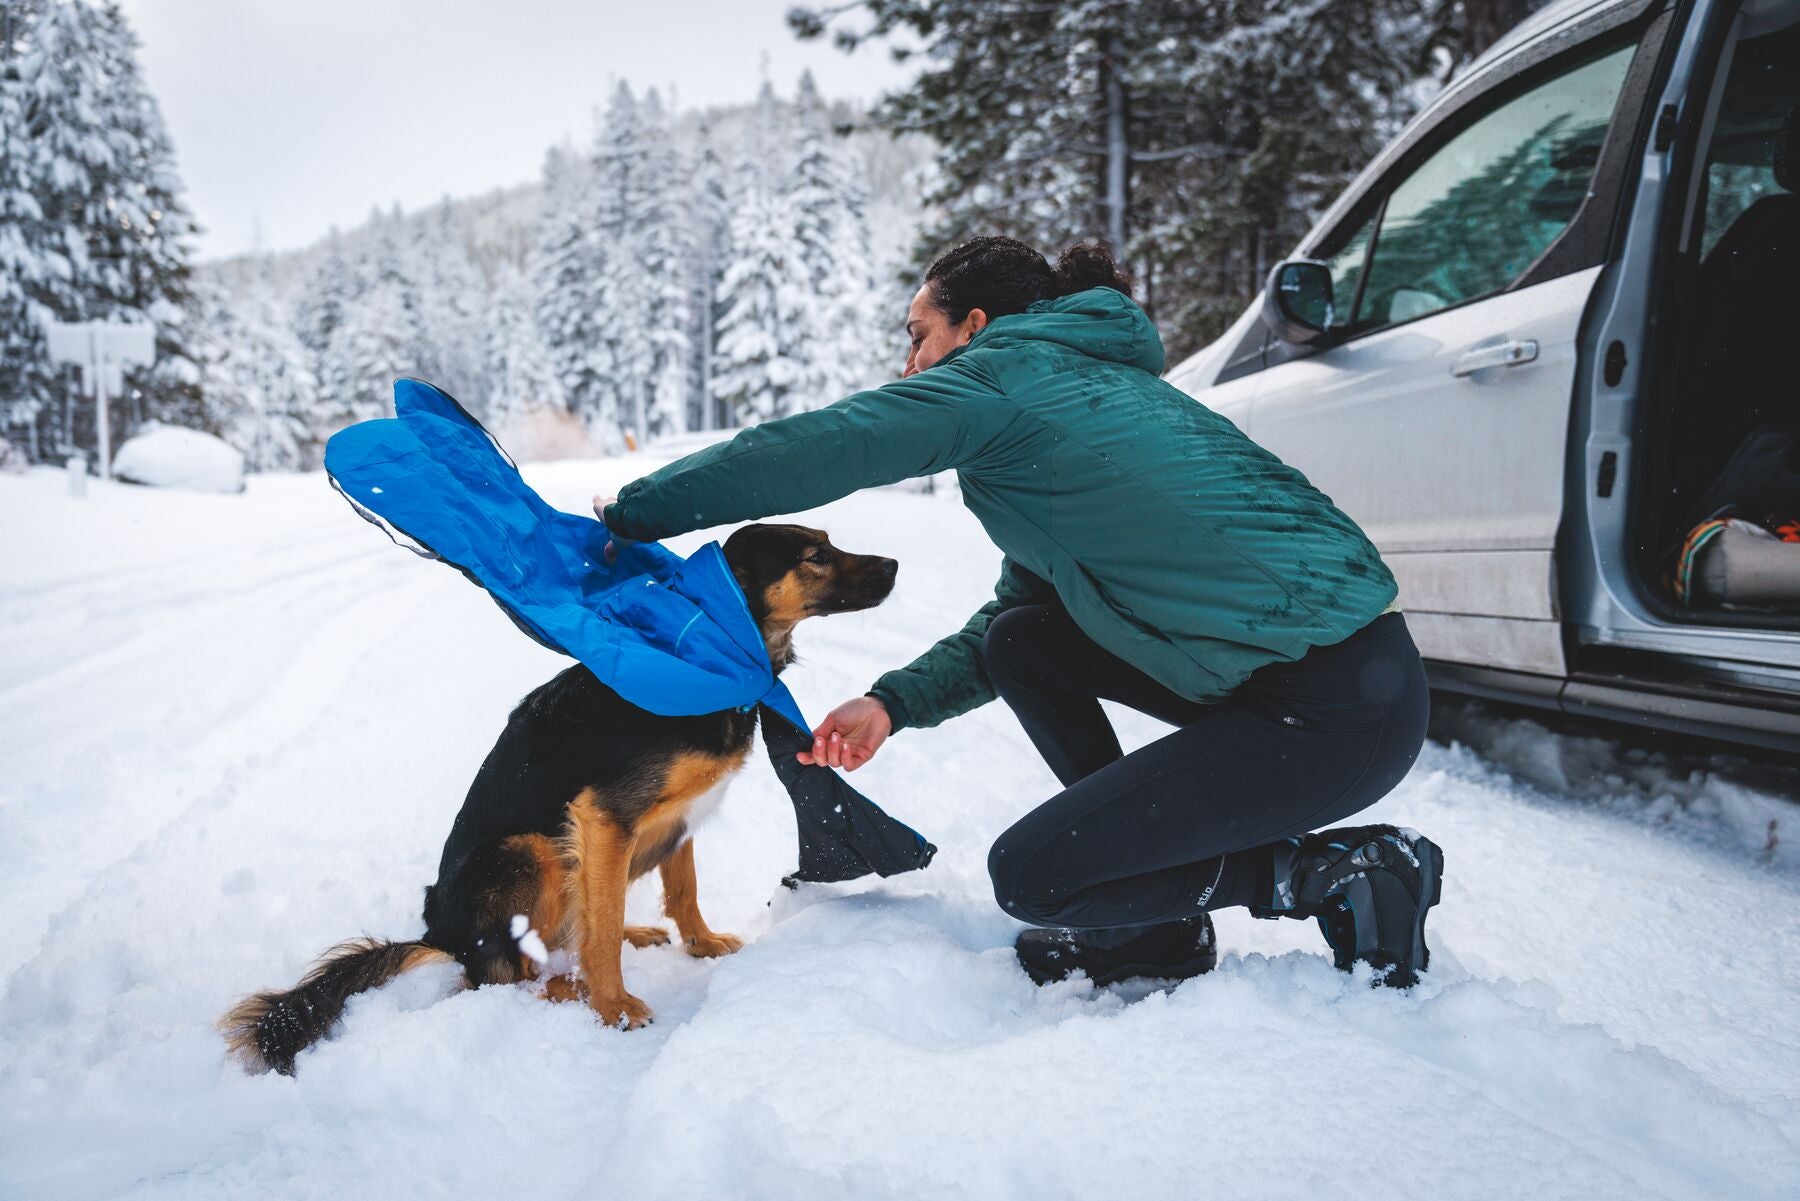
<point x="933" y="336"/>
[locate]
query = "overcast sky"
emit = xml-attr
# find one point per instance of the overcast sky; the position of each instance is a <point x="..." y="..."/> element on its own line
<point x="293" y="115"/>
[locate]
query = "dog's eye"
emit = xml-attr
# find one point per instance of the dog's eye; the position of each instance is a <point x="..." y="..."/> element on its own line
<point x="818" y="554"/>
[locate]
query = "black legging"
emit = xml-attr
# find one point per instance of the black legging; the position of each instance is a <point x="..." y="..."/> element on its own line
<point x="1183" y="824"/>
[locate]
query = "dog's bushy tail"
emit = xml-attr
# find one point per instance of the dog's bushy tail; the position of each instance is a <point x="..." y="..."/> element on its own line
<point x="267" y="1030"/>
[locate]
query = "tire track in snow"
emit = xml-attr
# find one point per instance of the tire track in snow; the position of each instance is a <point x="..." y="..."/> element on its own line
<point x="202" y="615"/>
<point x="110" y="582"/>
<point x="308" y="677"/>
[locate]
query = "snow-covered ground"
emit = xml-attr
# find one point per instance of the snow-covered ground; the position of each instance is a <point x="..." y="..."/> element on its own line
<point x="234" y="730"/>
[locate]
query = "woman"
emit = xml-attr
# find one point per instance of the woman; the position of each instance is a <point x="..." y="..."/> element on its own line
<point x="1154" y="556"/>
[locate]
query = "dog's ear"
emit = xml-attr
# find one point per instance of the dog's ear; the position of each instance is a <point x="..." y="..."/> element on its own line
<point x="740" y="555"/>
<point x="752" y="552"/>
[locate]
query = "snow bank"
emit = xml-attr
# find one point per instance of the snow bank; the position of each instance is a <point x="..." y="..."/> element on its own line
<point x="1718" y="797"/>
<point x="235" y="732"/>
<point x="170" y="457"/>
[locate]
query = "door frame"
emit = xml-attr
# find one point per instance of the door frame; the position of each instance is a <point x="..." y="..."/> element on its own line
<point x="1609" y="607"/>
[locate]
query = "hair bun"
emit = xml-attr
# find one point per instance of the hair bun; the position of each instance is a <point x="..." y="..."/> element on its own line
<point x="1089" y="265"/>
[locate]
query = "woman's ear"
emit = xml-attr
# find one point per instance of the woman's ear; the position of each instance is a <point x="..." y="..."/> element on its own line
<point x="973" y="324"/>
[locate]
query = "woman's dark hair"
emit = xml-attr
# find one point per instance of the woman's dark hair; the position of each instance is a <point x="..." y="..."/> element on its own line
<point x="1002" y="276"/>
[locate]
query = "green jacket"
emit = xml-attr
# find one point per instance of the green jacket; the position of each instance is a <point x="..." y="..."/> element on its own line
<point x="1173" y="540"/>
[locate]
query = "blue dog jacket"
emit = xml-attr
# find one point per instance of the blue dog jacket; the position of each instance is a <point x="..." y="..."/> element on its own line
<point x="669" y="635"/>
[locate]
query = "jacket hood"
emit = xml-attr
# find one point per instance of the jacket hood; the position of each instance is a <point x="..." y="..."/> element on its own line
<point x="1100" y="322"/>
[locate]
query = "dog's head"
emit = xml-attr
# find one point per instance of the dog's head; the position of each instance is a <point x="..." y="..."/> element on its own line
<point x="789" y="573"/>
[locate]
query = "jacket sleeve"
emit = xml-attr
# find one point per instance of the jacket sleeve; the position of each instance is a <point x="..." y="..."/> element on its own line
<point x="940" y="419"/>
<point x="949" y="680"/>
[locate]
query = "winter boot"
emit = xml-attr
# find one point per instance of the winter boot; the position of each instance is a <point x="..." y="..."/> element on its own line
<point x="1369" y="887"/>
<point x="1166" y="951"/>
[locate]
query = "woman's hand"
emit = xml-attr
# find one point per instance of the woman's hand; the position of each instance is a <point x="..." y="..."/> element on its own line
<point x="616" y="543"/>
<point x="850" y="734"/>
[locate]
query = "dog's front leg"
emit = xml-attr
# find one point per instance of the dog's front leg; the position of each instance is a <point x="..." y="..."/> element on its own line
<point x="681" y="901"/>
<point x="603" y="871"/>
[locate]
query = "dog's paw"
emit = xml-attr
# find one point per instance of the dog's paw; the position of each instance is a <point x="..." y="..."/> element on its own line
<point x="646" y="936"/>
<point x="564" y="988"/>
<point x="711" y="946"/>
<point x="622" y="1010"/>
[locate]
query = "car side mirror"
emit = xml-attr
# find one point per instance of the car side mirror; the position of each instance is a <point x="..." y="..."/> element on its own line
<point x="1297" y="305"/>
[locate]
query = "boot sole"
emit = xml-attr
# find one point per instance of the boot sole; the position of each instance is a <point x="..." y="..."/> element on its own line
<point x="1199" y="965"/>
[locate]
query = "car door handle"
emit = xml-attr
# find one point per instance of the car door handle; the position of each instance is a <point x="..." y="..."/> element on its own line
<point x="1506" y="354"/>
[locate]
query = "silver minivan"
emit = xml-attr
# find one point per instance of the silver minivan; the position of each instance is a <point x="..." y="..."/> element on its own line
<point x="1546" y="323"/>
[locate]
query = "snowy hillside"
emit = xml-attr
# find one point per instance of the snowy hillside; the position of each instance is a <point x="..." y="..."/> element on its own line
<point x="235" y="730"/>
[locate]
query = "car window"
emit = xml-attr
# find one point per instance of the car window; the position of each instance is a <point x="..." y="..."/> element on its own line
<point x="1731" y="188"/>
<point x="1346" y="267"/>
<point x="1760" y="95"/>
<point x="1479" y="211"/>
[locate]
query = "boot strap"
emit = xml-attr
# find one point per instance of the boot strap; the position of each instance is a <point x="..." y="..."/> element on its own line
<point x="1300" y="889"/>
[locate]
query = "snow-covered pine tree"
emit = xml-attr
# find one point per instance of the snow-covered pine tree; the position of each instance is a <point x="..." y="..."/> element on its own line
<point x="710" y="212"/>
<point x="815" y="190"/>
<point x="1461" y="29"/>
<point x="522" y="376"/>
<point x="828" y="200"/>
<point x="746" y="347"/>
<point x="29" y="256"/>
<point x="143" y="246"/>
<point x="1197" y="136"/>
<point x="320" y="306"/>
<point x="662" y="246"/>
<point x="257" y="377"/>
<point x="763" y="296"/>
<point x="102" y="234"/>
<point x="896" y="282"/>
<point x="1295" y="99"/>
<point x="370" y="350"/>
<point x="452" y="310"/>
<point x="618" y="209"/>
<point x="377" y="340"/>
<point x="876" y="309"/>
<point x="71" y="161"/>
<point x="564" y="269"/>
<point x="1009" y="95"/>
<point x="762" y="158"/>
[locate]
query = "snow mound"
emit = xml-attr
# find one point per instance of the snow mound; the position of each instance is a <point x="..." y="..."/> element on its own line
<point x="167" y="457"/>
<point x="1716" y="797"/>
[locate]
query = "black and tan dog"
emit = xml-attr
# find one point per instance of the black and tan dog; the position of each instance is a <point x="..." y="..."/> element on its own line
<point x="583" y="793"/>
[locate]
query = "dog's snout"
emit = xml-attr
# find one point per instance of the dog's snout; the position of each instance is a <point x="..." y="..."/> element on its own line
<point x="888" y="568"/>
